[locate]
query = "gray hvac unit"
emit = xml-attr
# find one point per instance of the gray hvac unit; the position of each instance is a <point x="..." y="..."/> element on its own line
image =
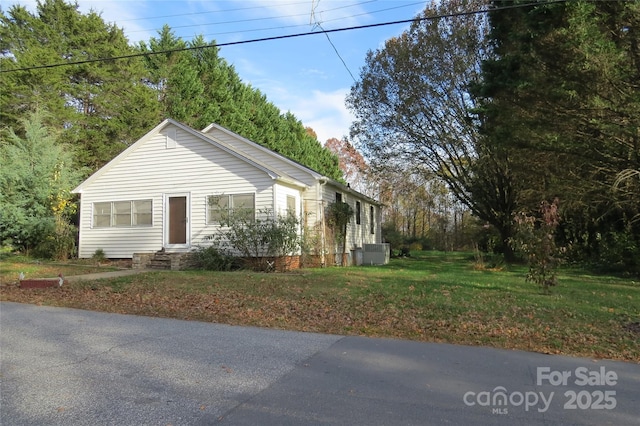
<point x="376" y="254"/>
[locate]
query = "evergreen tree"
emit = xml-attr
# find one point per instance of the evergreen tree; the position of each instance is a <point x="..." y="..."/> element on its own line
<point x="563" y="89"/>
<point x="198" y="87"/>
<point x="36" y="176"/>
<point x="102" y="106"/>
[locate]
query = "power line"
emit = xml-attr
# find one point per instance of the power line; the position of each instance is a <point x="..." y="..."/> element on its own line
<point x="282" y="27"/>
<point x="280" y="37"/>
<point x="318" y="24"/>
<point x="245" y="20"/>
<point x="237" y="9"/>
<point x="304" y="25"/>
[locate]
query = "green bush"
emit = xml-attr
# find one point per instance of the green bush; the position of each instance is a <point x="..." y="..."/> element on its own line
<point x="259" y="239"/>
<point x="61" y="244"/>
<point x="99" y="256"/>
<point x="619" y="253"/>
<point x="214" y="259"/>
<point x="535" y="239"/>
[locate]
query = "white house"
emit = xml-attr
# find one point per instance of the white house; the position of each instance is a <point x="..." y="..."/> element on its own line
<point x="155" y="195"/>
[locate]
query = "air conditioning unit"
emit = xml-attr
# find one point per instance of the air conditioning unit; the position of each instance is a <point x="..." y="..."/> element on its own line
<point x="376" y="254"/>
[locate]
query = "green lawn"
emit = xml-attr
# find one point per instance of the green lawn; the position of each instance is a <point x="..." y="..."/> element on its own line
<point x="430" y="297"/>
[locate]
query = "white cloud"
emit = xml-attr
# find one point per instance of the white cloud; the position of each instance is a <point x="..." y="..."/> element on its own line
<point x="322" y="110"/>
<point x="123" y="14"/>
<point x="325" y="112"/>
<point x="325" y="11"/>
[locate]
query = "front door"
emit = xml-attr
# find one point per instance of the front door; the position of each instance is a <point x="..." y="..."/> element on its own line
<point x="177" y="221"/>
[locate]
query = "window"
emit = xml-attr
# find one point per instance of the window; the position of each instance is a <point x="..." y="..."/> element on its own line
<point x="216" y="205"/>
<point x="141" y="213"/>
<point x="338" y="197"/>
<point x="101" y="215"/>
<point x="291" y="205"/>
<point x="219" y="206"/>
<point x="358" y="212"/>
<point x="121" y="214"/>
<point x="372" y="220"/>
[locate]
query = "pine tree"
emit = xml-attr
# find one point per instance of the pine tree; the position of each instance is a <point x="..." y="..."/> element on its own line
<point x="562" y="88"/>
<point x="37" y="174"/>
<point x="100" y="107"/>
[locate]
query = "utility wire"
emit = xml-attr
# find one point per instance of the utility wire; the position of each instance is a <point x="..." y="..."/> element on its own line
<point x="280" y="37"/>
<point x="237" y="9"/>
<point x="316" y="23"/>
<point x="268" y="18"/>
<point x="341" y="18"/>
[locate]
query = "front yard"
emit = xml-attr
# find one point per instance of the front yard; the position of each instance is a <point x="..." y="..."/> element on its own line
<point x="431" y="297"/>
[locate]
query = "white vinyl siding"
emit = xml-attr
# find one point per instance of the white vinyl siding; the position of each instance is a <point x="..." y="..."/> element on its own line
<point x="170" y="160"/>
<point x="357" y="235"/>
<point x="287" y="200"/>
<point x="318" y="196"/>
<point x="149" y="171"/>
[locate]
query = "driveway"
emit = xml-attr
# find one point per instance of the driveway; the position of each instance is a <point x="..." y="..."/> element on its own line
<point x="72" y="367"/>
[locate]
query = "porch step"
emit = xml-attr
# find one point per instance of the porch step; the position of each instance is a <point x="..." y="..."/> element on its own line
<point x="160" y="260"/>
<point x="160" y="264"/>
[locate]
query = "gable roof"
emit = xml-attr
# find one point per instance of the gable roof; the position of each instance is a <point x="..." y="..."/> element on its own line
<point x="316" y="175"/>
<point x="244" y="155"/>
<point x="263" y="148"/>
<point x="272" y="172"/>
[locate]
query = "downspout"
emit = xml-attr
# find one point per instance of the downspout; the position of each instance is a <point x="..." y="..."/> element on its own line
<point x="274" y="201"/>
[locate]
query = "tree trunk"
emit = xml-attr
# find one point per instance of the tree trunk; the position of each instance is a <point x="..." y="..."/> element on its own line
<point x="507" y="250"/>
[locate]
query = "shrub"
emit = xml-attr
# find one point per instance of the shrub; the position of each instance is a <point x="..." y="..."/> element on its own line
<point x="261" y="239"/>
<point x="535" y="239"/>
<point x="60" y="244"/>
<point x="214" y="259"/>
<point x="99" y="256"/>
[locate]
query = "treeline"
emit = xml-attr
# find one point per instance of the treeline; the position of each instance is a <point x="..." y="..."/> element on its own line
<point x="101" y="107"/>
<point x="515" y="109"/>
<point x="59" y="124"/>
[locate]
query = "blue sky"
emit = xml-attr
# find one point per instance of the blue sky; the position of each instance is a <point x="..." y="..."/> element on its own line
<point x="303" y="75"/>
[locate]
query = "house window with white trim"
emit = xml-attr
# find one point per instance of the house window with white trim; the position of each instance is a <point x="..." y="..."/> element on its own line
<point x="291" y="205"/>
<point x="122" y="214"/>
<point x="358" y="213"/>
<point x="220" y="207"/>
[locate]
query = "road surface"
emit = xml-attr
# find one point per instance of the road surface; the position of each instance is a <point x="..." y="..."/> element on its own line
<point x="73" y="367"/>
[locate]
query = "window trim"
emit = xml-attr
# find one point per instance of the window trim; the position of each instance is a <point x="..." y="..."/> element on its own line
<point x="229" y="207"/>
<point x="358" y="213"/>
<point x="113" y="220"/>
<point x="294" y="201"/>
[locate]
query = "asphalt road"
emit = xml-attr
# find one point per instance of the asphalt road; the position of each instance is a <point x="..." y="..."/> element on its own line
<point x="72" y="367"/>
